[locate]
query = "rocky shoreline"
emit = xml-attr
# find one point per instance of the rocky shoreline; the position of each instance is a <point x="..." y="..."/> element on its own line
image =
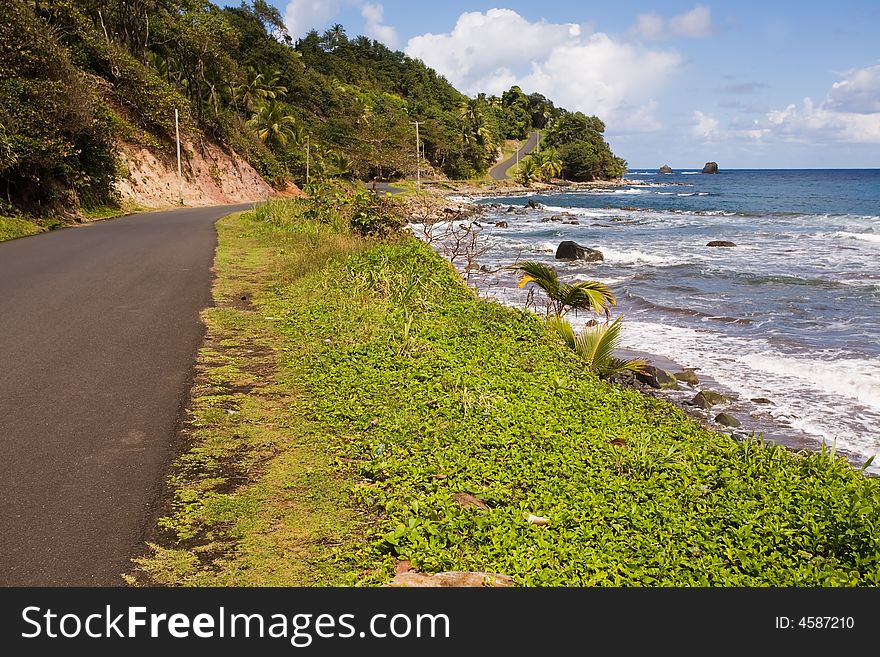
<point x="694" y="392"/>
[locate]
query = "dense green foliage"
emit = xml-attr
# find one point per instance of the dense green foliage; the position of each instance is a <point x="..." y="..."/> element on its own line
<point x="84" y="74"/>
<point x="425" y="392"/>
<point x="584" y="153"/>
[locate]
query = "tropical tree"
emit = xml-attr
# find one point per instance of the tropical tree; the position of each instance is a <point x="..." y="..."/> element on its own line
<point x="274" y="125"/>
<point x="563" y="297"/>
<point x="549" y="164"/>
<point x="338" y="165"/>
<point x="528" y="170"/>
<point x="596" y="346"/>
<point x="258" y="88"/>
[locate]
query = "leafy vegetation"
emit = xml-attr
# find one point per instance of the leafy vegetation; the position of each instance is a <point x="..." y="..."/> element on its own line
<point x="596" y="346"/>
<point x="386" y="363"/>
<point x="564" y="297"/>
<point x="85" y="74"/>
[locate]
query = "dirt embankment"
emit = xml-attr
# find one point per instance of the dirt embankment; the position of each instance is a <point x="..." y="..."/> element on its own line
<point x="212" y="175"/>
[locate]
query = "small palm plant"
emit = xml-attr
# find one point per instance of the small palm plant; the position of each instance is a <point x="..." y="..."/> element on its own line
<point x="596" y="346"/>
<point x="584" y="295"/>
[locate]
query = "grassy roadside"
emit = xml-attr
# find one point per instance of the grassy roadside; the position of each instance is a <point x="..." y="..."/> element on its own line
<point x="13" y="227"/>
<point x="356" y="405"/>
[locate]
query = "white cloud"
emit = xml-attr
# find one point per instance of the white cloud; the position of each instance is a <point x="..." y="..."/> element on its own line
<point x="859" y="93"/>
<point x="705" y="127"/>
<point x="849" y="113"/>
<point x="694" y="24"/>
<point x="375" y="27"/>
<point x="300" y="16"/>
<point x="578" y="69"/>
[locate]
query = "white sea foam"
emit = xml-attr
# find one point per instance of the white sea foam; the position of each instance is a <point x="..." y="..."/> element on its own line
<point x="856" y="379"/>
<point x="832" y="399"/>
<point x="636" y="257"/>
<point x="864" y="237"/>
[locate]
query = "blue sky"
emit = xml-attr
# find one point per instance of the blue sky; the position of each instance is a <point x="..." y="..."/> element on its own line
<point x="747" y="84"/>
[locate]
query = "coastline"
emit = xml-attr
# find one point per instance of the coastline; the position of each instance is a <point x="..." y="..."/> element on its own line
<point x="355" y="392"/>
<point x="741" y="408"/>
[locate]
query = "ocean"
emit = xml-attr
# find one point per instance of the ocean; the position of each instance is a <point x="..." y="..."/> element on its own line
<point x="790" y="315"/>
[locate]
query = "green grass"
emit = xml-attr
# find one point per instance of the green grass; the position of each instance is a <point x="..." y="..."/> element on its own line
<point x="393" y="388"/>
<point x="13" y="227"/>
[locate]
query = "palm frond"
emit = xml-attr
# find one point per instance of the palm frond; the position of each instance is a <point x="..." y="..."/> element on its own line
<point x="564" y="330"/>
<point x="587" y="295"/>
<point x="541" y="275"/>
<point x="596" y="346"/>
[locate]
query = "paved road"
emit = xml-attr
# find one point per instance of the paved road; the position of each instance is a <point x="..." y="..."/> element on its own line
<point x="99" y="328"/>
<point x="499" y="171"/>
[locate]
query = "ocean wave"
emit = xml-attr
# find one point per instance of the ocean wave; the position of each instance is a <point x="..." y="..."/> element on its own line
<point x="636" y="257"/>
<point x="864" y="237"/>
<point x="856" y="379"/>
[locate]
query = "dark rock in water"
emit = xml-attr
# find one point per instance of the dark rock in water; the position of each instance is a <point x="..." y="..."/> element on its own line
<point x="761" y="400"/>
<point x="657" y="378"/>
<point x="520" y="211"/>
<point x="666" y="169"/>
<point x="534" y="205"/>
<point x="720" y="243"/>
<point x="510" y="208"/>
<point x="688" y="376"/>
<point x="569" y="250"/>
<point x="727" y="420"/>
<point x="710" y="167"/>
<point x="573" y="222"/>
<point x="485" y="268"/>
<point x="495" y="205"/>
<point x="500" y="224"/>
<point x="546" y="220"/>
<point x="706" y="399"/>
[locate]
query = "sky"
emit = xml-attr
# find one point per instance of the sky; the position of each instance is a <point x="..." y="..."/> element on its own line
<point x="769" y="84"/>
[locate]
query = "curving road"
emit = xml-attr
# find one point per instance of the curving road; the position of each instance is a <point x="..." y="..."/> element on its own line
<point x="99" y="327"/>
<point x="499" y="171"/>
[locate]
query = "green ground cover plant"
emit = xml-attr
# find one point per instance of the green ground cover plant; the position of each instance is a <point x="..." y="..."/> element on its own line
<point x="437" y="423"/>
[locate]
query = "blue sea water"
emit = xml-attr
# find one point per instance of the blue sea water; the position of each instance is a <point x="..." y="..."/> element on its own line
<point x="791" y="314"/>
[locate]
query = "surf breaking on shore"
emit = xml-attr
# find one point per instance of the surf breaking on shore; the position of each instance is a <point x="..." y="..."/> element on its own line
<point x="788" y="316"/>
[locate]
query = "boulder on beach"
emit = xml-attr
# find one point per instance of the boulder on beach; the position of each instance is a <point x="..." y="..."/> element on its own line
<point x="657" y="377"/>
<point x="720" y="243"/>
<point x="727" y="420"/>
<point x="569" y="250"/>
<point x="710" y="167"/>
<point x="500" y="224"/>
<point x="666" y="169"/>
<point x="534" y="205"/>
<point x="688" y="376"/>
<point x="706" y="399"/>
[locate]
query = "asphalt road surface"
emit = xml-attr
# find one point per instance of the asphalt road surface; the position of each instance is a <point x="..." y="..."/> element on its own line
<point x="99" y="327"/>
<point x="499" y="171"/>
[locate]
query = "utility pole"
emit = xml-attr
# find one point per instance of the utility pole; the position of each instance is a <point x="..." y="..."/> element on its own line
<point x="179" y="169"/>
<point x="418" y="161"/>
<point x="308" y="156"/>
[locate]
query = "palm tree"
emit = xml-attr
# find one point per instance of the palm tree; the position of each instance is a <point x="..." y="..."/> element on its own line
<point x="596" y="346"/>
<point x="260" y="87"/>
<point x="340" y="165"/>
<point x="335" y="36"/>
<point x="584" y="295"/>
<point x="273" y="123"/>
<point x="528" y="169"/>
<point x="549" y="163"/>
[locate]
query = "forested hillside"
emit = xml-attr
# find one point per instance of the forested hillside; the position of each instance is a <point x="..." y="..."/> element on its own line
<point x="81" y="76"/>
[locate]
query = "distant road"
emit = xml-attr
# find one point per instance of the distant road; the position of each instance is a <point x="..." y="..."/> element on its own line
<point x="99" y="328"/>
<point x="499" y="171"/>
